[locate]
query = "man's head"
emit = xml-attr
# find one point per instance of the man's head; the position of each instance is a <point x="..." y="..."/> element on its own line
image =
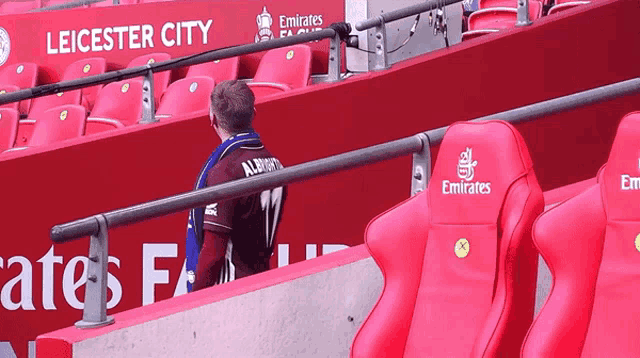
<point x="232" y="107"/>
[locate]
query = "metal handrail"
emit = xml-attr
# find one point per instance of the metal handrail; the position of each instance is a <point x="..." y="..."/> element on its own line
<point x="402" y="13"/>
<point x="197" y="198"/>
<point x="334" y="32"/>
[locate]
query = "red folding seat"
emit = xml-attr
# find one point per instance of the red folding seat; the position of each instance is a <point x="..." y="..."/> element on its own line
<point x="220" y="70"/>
<point x="458" y="262"/>
<point x="119" y="101"/>
<point x="484" y="4"/>
<point x="38" y="107"/>
<point x="489" y="20"/>
<point x="98" y="125"/>
<point x="8" y="127"/>
<point x="591" y="244"/>
<point x="85" y="68"/>
<point x="561" y="6"/>
<point x="42" y="104"/>
<point x="18" y="7"/>
<point x="6" y="89"/>
<point x="282" y="69"/>
<point x="188" y="95"/>
<point x="58" y="124"/>
<point x="24" y="75"/>
<point x="160" y="79"/>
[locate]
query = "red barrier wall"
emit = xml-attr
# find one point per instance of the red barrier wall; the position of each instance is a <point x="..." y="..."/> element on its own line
<point x="556" y="56"/>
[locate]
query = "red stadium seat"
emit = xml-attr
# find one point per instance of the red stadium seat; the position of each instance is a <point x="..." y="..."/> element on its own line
<point x="458" y="262"/>
<point x="564" y="6"/>
<point x="120" y="101"/>
<point x="6" y="89"/>
<point x="160" y="79"/>
<point x="498" y="18"/>
<point x="24" y="75"/>
<point x="289" y="66"/>
<point x="42" y="104"/>
<point x="484" y="4"/>
<point x="8" y="128"/>
<point x="185" y="96"/>
<point x="99" y="125"/>
<point x="84" y="68"/>
<point x="220" y="70"/>
<point x="58" y="124"/>
<point x="18" y="7"/>
<point x="591" y="243"/>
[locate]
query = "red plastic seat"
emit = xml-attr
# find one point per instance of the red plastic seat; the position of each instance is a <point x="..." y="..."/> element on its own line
<point x="8" y="128"/>
<point x="84" y="68"/>
<point x="188" y="95"/>
<point x="160" y="79"/>
<point x="24" y="75"/>
<point x="43" y="104"/>
<point x="18" y="7"/>
<point x="564" y="6"/>
<point x="6" y="89"/>
<point x="591" y="244"/>
<point x="289" y="66"/>
<point x="458" y="262"/>
<point x="493" y="19"/>
<point x="120" y="101"/>
<point x="484" y="4"/>
<point x="99" y="125"/>
<point x="58" y="124"/>
<point x="220" y="70"/>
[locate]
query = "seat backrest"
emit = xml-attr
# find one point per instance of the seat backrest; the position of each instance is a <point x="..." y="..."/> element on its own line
<point x="502" y="17"/>
<point x="187" y="95"/>
<point x="458" y="263"/>
<point x="43" y="104"/>
<point x="58" y="124"/>
<point x="24" y="75"/>
<point x="6" y="89"/>
<point x="591" y="244"/>
<point x="121" y="101"/>
<point x="8" y="128"/>
<point x="483" y="4"/>
<point x="219" y="70"/>
<point x="288" y="65"/>
<point x="84" y="68"/>
<point x="160" y="79"/>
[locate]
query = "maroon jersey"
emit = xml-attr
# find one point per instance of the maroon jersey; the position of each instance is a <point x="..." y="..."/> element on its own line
<point x="251" y="221"/>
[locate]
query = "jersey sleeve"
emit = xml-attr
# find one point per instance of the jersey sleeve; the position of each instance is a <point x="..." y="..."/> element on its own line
<point x="218" y="217"/>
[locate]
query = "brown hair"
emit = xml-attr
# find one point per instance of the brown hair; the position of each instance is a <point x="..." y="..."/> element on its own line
<point x="232" y="104"/>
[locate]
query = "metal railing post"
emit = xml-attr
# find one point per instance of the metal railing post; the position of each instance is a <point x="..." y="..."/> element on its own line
<point x="381" y="61"/>
<point x="421" y="169"/>
<point x="94" y="313"/>
<point x="523" y="13"/>
<point x="148" y="102"/>
<point x="335" y="58"/>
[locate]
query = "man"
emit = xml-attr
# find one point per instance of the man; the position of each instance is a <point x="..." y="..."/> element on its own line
<point x="233" y="238"/>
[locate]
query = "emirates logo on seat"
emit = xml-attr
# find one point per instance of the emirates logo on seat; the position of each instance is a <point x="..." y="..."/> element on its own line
<point x="466" y="165"/>
<point x="638" y="242"/>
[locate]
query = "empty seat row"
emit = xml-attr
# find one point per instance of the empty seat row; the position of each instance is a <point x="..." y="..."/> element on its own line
<point x="459" y="260"/>
<point x="120" y="104"/>
<point x="495" y="15"/>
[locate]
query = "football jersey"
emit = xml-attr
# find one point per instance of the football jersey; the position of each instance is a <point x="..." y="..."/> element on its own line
<point x="251" y="221"/>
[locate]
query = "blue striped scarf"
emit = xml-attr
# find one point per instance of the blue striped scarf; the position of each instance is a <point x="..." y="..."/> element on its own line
<point x="195" y="233"/>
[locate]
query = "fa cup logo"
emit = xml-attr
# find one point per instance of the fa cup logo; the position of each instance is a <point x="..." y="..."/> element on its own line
<point x="264" y="21"/>
<point x="466" y="165"/>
